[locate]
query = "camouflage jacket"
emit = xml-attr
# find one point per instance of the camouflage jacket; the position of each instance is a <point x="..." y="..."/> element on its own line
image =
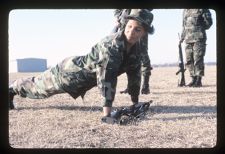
<point x="195" y="22"/>
<point x="100" y="67"/>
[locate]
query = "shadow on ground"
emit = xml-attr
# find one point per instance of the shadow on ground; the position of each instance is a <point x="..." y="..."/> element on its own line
<point x="155" y="109"/>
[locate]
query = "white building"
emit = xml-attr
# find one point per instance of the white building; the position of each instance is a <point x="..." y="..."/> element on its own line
<point x="28" y="65"/>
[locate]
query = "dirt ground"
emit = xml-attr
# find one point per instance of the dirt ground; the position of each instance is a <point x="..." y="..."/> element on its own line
<point x="179" y="117"/>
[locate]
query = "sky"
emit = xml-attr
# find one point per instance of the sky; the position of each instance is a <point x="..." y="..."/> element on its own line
<point x="55" y="34"/>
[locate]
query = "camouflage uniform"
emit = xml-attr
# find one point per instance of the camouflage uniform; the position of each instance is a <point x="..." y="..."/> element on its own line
<point x="146" y="63"/>
<point x="195" y="22"/>
<point x="75" y="75"/>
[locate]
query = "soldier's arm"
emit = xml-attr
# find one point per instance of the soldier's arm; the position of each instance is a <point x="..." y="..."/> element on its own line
<point x="117" y="13"/>
<point x="134" y="82"/>
<point x="107" y="71"/>
<point x="146" y="65"/>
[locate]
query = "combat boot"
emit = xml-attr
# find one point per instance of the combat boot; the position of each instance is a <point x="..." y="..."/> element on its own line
<point x="11" y="96"/>
<point x="198" y="82"/>
<point x="145" y="87"/>
<point x="192" y="83"/>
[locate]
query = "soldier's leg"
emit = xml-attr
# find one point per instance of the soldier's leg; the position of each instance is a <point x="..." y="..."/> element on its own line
<point x="41" y="86"/>
<point x="199" y="53"/>
<point x="146" y="73"/>
<point x="146" y="66"/>
<point x="125" y="91"/>
<point x="190" y="63"/>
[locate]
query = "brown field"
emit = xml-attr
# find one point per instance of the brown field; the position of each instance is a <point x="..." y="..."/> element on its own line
<point x="178" y="117"/>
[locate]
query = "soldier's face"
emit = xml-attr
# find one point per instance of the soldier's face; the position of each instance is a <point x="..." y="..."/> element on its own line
<point x="134" y="31"/>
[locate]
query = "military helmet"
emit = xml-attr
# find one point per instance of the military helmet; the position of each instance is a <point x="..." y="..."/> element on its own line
<point x="144" y="16"/>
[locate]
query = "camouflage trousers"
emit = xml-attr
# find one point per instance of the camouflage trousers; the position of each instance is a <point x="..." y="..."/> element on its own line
<point x="195" y="53"/>
<point x="59" y="79"/>
<point x="42" y="86"/>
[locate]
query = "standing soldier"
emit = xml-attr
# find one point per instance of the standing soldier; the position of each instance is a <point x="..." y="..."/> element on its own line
<point x="146" y="64"/>
<point x="109" y="58"/>
<point x="195" y="23"/>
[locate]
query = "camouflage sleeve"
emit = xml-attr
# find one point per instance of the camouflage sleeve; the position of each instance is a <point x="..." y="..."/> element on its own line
<point x="107" y="70"/>
<point x="146" y="64"/>
<point x="122" y="19"/>
<point x="134" y="82"/>
<point x="207" y="18"/>
<point x="117" y="13"/>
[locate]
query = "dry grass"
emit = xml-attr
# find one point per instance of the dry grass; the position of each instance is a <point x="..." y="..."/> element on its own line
<point x="178" y="117"/>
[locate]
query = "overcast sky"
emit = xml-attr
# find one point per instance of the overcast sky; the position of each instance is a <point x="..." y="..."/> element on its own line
<point x="56" y="34"/>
